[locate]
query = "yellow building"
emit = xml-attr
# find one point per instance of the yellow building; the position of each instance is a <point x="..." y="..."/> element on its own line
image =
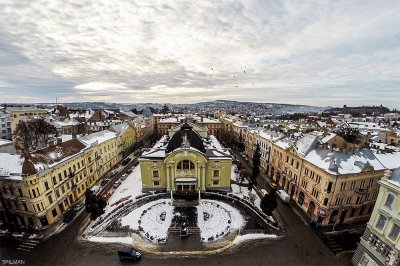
<point x="25" y="111"/>
<point x="38" y="188"/>
<point x="186" y="163"/>
<point x="127" y="133"/>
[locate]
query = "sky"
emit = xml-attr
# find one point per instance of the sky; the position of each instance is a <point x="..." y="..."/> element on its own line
<point x="324" y="53"/>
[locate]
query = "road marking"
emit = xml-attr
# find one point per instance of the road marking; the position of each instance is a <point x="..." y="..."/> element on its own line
<point x="32" y="241"/>
<point x="24" y="246"/>
<point x="30" y="244"/>
<point x="23" y="249"/>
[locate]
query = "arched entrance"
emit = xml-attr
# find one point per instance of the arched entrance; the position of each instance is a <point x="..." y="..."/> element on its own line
<point x="311" y="208"/>
<point x="333" y="217"/>
<point x="300" y="200"/>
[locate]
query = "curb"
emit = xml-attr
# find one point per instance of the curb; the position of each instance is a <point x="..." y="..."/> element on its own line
<point x="195" y="252"/>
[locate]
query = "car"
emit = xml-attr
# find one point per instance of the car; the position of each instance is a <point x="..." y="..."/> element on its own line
<point x="128" y="253"/>
<point x="124" y="176"/>
<point x="69" y="216"/>
<point x="135" y="163"/>
<point x="113" y="172"/>
<point x="273" y="185"/>
<point x="95" y="189"/>
<point x="283" y="195"/>
<point x="129" y="171"/>
<point x="106" y="196"/>
<point x="116" y="184"/>
<point x="80" y="205"/>
<point x="263" y="192"/>
<point x="104" y="182"/>
<point x="126" y="161"/>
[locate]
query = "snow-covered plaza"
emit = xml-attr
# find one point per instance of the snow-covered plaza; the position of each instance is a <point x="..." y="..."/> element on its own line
<point x="150" y="219"/>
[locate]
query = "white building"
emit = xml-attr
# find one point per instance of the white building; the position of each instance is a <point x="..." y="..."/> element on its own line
<point x="5" y="126"/>
<point x="380" y="244"/>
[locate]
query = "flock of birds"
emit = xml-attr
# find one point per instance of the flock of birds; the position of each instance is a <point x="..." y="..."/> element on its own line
<point x="234" y="76"/>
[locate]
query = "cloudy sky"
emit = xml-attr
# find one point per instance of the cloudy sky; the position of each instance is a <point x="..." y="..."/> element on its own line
<point x="307" y="52"/>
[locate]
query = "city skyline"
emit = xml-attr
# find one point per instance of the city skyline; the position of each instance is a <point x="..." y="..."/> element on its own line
<point x="261" y="51"/>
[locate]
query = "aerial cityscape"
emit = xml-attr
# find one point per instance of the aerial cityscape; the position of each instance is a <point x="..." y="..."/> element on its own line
<point x="231" y="132"/>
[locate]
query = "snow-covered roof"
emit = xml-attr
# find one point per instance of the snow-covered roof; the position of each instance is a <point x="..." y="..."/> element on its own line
<point x="65" y="123"/>
<point x="100" y="137"/>
<point x="395" y="176"/>
<point x="345" y="163"/>
<point x="305" y="144"/>
<point x="283" y="143"/>
<point x="120" y="128"/>
<point x="328" y="137"/>
<point x="11" y="166"/>
<point x="5" y="142"/>
<point x="391" y="160"/>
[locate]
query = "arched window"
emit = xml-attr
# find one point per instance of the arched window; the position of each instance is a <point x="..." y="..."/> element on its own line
<point x="389" y="201"/>
<point x="185" y="164"/>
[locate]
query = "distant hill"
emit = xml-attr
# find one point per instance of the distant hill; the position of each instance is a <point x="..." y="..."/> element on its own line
<point x="250" y="108"/>
<point x="359" y="110"/>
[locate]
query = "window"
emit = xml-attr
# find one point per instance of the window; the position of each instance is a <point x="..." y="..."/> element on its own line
<point x="54" y="212"/>
<point x="54" y="180"/>
<point x="156" y="183"/>
<point x="50" y="199"/>
<point x="325" y="201"/>
<point x="386" y="250"/>
<point x="216" y="173"/>
<point x="62" y="189"/>
<point x="349" y="200"/>
<point x="381" y="222"/>
<point x="389" y="201"/>
<point x="20" y="192"/>
<point x="394" y="234"/>
<point x="343" y="186"/>
<point x="215" y="182"/>
<point x="329" y="189"/>
<point x="59" y="177"/>
<point x="46" y="185"/>
<point x="155" y="173"/>
<point x="186" y="164"/>
<point x="25" y="206"/>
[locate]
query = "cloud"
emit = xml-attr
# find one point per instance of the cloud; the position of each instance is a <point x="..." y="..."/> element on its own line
<point x="325" y="53"/>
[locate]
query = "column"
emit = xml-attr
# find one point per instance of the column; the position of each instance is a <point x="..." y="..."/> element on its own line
<point x="173" y="177"/>
<point x="168" y="181"/>
<point x="203" y="175"/>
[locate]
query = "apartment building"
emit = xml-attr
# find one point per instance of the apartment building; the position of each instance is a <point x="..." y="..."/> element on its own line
<point x="380" y="244"/>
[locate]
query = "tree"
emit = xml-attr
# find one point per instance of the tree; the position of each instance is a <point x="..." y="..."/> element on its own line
<point x="23" y="134"/>
<point x="269" y="202"/>
<point x="165" y="109"/>
<point x="94" y="205"/>
<point x="256" y="165"/>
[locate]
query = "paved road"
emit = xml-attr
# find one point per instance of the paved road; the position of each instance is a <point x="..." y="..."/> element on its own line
<point x="299" y="246"/>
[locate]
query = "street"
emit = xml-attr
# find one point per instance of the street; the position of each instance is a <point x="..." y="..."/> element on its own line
<point x="299" y="246"/>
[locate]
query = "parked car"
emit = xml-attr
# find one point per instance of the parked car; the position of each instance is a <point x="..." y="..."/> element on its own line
<point x="129" y="171"/>
<point x="80" y="205"/>
<point x="126" y="161"/>
<point x="128" y="253"/>
<point x="124" y="176"/>
<point x="273" y="185"/>
<point x="95" y="189"/>
<point x="104" y="182"/>
<point x="69" y="216"/>
<point x="106" y="196"/>
<point x="135" y="163"/>
<point x="283" y="195"/>
<point x="116" y="184"/>
<point x="263" y="192"/>
<point x="113" y="172"/>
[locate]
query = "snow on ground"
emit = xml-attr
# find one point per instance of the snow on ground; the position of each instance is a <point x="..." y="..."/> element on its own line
<point x="215" y="219"/>
<point x="244" y="193"/>
<point x="124" y="240"/>
<point x="247" y="237"/>
<point x="155" y="219"/>
<point x="234" y="176"/>
<point x="131" y="186"/>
